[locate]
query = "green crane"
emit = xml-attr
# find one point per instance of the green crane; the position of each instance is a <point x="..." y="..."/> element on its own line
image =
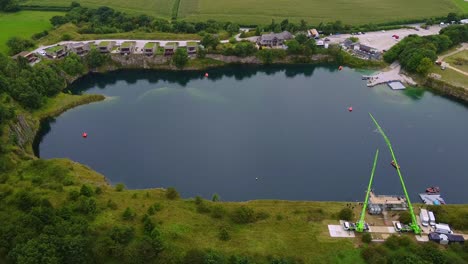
<point x="414" y="222"/>
<point x="360" y="224"/>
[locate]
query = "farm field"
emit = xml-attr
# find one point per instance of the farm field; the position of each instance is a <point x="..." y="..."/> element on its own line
<point x="263" y="11"/>
<point x="23" y="24"/>
<point x="156" y="8"/>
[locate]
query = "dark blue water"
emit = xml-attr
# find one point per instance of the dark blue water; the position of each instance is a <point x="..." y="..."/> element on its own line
<point x="263" y="133"/>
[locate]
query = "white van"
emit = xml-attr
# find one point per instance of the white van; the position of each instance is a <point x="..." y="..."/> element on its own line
<point x="443" y="229"/>
<point x="424" y="216"/>
<point x="432" y="220"/>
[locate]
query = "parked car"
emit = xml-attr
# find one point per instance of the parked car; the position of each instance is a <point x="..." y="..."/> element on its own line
<point x="349" y="226"/>
<point x="399" y="227"/>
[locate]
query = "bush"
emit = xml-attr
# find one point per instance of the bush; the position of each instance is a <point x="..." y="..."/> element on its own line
<point x="223" y="234"/>
<point x="180" y="58"/>
<point x="218" y="212"/>
<point x="172" y="194"/>
<point x="215" y="197"/>
<point x="243" y="215"/>
<point x="17" y="45"/>
<point x="98" y="190"/>
<point x="128" y="214"/>
<point x="66" y="37"/>
<point x="120" y="187"/>
<point x="366" y="238"/>
<point x="86" y="190"/>
<point x="111" y="204"/>
<point x="405" y="217"/>
<point x="346" y="214"/>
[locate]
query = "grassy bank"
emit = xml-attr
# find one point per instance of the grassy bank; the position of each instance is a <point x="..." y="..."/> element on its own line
<point x="23" y="24"/>
<point x="62" y="102"/>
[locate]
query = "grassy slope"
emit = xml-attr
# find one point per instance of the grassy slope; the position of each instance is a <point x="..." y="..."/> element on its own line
<point x="262" y="11"/>
<point x="463" y="55"/>
<point x="70" y="29"/>
<point x="451" y="76"/>
<point x="23" y="24"/>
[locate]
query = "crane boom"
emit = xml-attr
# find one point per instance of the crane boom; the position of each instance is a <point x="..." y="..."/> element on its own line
<point x="414" y="222"/>
<point x="360" y="223"/>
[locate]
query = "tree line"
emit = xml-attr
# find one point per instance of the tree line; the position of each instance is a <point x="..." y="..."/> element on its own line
<point x="417" y="54"/>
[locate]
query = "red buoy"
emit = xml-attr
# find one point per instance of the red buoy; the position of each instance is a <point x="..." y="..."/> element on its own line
<point x="206" y="75"/>
<point x="350" y="109"/>
<point x="85" y="135"/>
<point x="340" y="68"/>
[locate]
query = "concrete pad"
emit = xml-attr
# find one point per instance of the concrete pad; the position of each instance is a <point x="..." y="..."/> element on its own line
<point x="422" y="238"/>
<point x="382" y="229"/>
<point x="338" y="231"/>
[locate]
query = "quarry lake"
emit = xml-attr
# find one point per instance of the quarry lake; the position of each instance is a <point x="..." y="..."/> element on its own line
<point x="281" y="132"/>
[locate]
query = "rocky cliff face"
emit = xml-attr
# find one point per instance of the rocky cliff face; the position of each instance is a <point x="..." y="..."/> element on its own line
<point x="22" y="132"/>
<point x="447" y="89"/>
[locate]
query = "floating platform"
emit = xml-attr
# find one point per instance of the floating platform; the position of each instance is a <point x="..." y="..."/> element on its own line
<point x="432" y="199"/>
<point x="396" y="85"/>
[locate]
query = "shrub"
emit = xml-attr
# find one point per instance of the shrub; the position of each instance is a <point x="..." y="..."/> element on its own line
<point x="405" y="217"/>
<point x="98" y="190"/>
<point x="120" y="187"/>
<point x="215" y="197"/>
<point x="243" y="215"/>
<point x="203" y="208"/>
<point x="86" y="190"/>
<point x="346" y="214"/>
<point x="128" y="214"/>
<point x="198" y="200"/>
<point x="66" y="37"/>
<point x="180" y="58"/>
<point x="223" y="234"/>
<point x="111" y="204"/>
<point x="262" y="215"/>
<point x="217" y="212"/>
<point x="172" y="194"/>
<point x="366" y="238"/>
<point x="73" y="195"/>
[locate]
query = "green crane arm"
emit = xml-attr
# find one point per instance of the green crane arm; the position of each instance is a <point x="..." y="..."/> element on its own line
<point x="360" y="223"/>
<point x="414" y="223"/>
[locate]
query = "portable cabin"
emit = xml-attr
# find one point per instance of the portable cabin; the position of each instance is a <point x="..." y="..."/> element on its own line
<point x="106" y="46"/>
<point x="424" y="216"/>
<point x="191" y="47"/>
<point x="150" y="48"/>
<point x="432" y="220"/>
<point x="443" y="229"/>
<point x="56" y="52"/>
<point x="79" y="48"/>
<point x="170" y="48"/>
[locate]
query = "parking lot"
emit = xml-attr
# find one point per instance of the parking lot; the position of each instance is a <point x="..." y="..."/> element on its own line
<point x="383" y="40"/>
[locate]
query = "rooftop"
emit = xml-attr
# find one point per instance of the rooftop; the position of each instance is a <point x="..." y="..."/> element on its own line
<point x="127" y="44"/>
<point x="54" y="48"/>
<point x="192" y="44"/>
<point x="385" y="199"/>
<point x="149" y="45"/>
<point x="104" y="43"/>
<point x="282" y="35"/>
<point x="171" y="45"/>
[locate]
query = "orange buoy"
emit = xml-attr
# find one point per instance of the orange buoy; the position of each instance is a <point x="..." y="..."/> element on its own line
<point x="84" y="135"/>
<point x="350" y="109"/>
<point x="340" y="68"/>
<point x="206" y="75"/>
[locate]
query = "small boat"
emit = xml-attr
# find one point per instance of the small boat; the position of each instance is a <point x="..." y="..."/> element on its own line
<point x="394" y="165"/>
<point x="433" y="190"/>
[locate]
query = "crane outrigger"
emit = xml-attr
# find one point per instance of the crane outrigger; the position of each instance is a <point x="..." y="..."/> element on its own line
<point x="361" y="225"/>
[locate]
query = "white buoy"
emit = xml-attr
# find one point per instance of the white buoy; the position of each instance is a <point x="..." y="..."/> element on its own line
<point x="256" y="178"/>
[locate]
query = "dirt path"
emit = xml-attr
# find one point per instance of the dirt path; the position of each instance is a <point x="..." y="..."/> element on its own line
<point x="441" y="58"/>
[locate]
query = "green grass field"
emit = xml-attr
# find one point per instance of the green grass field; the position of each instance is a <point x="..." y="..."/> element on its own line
<point x="155" y="8"/>
<point x="262" y="11"/>
<point x="23" y="24"/>
<point x="450" y="76"/>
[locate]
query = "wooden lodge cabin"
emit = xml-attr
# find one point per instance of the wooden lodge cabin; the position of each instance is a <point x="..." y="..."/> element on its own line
<point x="192" y="47"/>
<point x="57" y="52"/>
<point x="106" y="46"/>
<point x="79" y="48"/>
<point x="127" y="47"/>
<point x="170" y="48"/>
<point x="150" y="48"/>
<point x="30" y="56"/>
